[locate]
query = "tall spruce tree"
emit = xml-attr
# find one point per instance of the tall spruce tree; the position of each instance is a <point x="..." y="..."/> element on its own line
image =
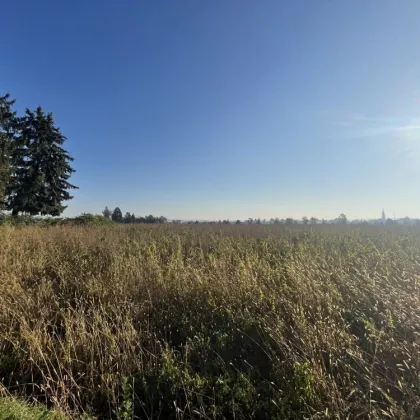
<point x="41" y="167"/>
<point x="117" y="215"/>
<point x="107" y="212"/>
<point x="8" y="127"/>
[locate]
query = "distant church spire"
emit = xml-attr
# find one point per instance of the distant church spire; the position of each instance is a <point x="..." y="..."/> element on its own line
<point x="383" y="216"/>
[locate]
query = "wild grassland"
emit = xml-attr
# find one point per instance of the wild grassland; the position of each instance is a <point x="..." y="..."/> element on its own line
<point x="212" y="322"/>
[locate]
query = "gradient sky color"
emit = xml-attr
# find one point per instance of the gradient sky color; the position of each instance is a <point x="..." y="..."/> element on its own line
<point x="227" y="109"/>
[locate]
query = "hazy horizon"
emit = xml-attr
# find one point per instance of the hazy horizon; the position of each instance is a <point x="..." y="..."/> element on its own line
<point x="227" y="110"/>
<point x="244" y="218"/>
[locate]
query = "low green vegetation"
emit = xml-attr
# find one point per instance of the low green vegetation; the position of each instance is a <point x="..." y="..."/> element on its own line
<point x="14" y="409"/>
<point x="247" y="321"/>
<point x="85" y="219"/>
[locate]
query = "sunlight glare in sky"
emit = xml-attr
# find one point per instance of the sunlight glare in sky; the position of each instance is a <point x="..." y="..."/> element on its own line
<point x="408" y="137"/>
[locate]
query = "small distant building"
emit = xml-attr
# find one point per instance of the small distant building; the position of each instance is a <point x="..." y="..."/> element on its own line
<point x="383" y="216"/>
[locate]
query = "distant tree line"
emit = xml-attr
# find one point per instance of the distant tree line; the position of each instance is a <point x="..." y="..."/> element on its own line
<point x="34" y="167"/>
<point x="118" y="217"/>
<point x="342" y="219"/>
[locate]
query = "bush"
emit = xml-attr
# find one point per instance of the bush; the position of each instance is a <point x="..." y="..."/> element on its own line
<point x="85" y="219"/>
<point x="89" y="219"/>
<point x="22" y="220"/>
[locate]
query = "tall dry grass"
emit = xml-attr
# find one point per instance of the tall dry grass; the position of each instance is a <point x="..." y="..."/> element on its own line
<point x="210" y="322"/>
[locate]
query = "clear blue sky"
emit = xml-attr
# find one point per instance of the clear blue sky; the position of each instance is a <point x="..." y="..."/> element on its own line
<point x="227" y="109"/>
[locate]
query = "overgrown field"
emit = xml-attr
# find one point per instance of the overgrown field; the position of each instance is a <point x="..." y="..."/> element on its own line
<point x="263" y="322"/>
